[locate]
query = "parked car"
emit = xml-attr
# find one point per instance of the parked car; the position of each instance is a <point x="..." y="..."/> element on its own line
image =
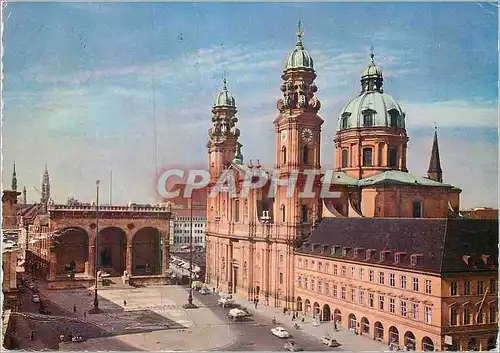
<point x="226" y="301"/>
<point x="77" y="338"/>
<point x="292" y="346"/>
<point x="330" y="342"/>
<point x="204" y="291"/>
<point x="35" y="298"/>
<point x="280" y="332"/>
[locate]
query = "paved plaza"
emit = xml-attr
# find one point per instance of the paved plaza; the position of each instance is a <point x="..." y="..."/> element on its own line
<point x="150" y="318"/>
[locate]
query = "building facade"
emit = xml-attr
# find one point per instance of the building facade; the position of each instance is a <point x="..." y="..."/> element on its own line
<point x="428" y="288"/>
<point x="180" y="226"/>
<point x="252" y="238"/>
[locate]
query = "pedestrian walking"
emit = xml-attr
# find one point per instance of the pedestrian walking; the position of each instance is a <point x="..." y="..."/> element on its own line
<point x="74" y="309"/>
<point x="85" y="314"/>
<point x="335" y="326"/>
<point x="284" y="311"/>
<point x="33" y="336"/>
<point x="124" y="302"/>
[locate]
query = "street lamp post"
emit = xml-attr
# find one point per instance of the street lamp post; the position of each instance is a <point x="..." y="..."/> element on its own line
<point x="189" y="304"/>
<point x="95" y="309"/>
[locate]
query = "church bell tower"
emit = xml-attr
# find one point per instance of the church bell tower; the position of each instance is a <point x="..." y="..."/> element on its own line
<point x="298" y="138"/>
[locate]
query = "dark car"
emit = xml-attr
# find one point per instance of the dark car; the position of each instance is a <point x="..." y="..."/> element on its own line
<point x="292" y="346"/>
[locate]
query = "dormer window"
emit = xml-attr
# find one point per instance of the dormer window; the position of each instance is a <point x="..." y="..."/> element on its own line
<point x="370" y="253"/>
<point x="344" y="122"/>
<point x="394" y="117"/>
<point x="344" y="251"/>
<point x="357" y="251"/>
<point x="415" y="259"/>
<point x="368" y="119"/>
<point x="399" y="257"/>
<point x="383" y="254"/>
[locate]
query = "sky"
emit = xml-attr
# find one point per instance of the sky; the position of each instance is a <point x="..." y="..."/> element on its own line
<point x="91" y="88"/>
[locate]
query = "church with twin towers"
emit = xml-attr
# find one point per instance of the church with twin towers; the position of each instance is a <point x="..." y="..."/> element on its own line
<point x="251" y="240"/>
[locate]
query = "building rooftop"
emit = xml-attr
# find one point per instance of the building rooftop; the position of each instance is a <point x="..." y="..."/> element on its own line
<point x="434" y="245"/>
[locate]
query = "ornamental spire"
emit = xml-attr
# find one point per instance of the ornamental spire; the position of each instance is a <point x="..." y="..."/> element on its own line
<point x="300" y="33"/>
<point x="14" y="179"/>
<point x="435" y="172"/>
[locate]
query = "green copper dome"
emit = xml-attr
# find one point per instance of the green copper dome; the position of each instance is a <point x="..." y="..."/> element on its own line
<point x="224" y="98"/>
<point x="299" y="57"/>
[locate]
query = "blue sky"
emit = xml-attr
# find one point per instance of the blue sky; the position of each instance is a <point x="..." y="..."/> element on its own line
<point x="90" y="87"/>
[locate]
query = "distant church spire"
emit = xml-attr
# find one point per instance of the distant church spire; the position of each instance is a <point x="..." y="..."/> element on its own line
<point x="25" y="200"/>
<point x="435" y="172"/>
<point x="45" y="186"/>
<point x="14" y="179"/>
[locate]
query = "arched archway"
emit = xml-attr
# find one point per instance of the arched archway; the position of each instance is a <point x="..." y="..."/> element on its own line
<point x="327" y="315"/>
<point x="112" y="247"/>
<point x="393" y="336"/>
<point x="317" y="310"/>
<point x="299" y="304"/>
<point x="337" y="316"/>
<point x="378" y="331"/>
<point x="72" y="250"/>
<point x="472" y="345"/>
<point x="410" y="341"/>
<point x="146" y="252"/>
<point x="492" y="343"/>
<point x="365" y="326"/>
<point x="427" y="344"/>
<point x="351" y="323"/>
<point x="307" y="306"/>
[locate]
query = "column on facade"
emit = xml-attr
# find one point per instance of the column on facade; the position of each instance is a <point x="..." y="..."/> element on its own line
<point x="400" y="156"/>
<point x="91" y="267"/>
<point x="129" y="257"/>
<point x="164" y="254"/>
<point x="376" y="158"/>
<point x="404" y="158"/>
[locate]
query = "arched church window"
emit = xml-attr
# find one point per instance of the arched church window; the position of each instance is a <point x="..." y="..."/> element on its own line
<point x="367" y="157"/>
<point x="417" y="209"/>
<point x="305" y="154"/>
<point x="236" y="210"/>
<point x="283" y="154"/>
<point x="345" y="158"/>
<point x="305" y="213"/>
<point x="393" y="156"/>
<point x="283" y="214"/>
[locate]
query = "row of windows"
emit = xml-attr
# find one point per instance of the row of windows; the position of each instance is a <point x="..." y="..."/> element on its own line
<point x="186" y="240"/>
<point x="465" y="316"/>
<point x="467" y="286"/>
<point x="181" y="231"/>
<point x="195" y="219"/>
<point x="369" y="119"/>
<point x="381" y="277"/>
<point x="406" y="309"/>
<point x="392" y="157"/>
<point x="196" y="225"/>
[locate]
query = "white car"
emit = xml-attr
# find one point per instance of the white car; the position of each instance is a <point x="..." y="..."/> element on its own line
<point x="226" y="302"/>
<point x="35" y="298"/>
<point x="280" y="332"/>
<point x="204" y="291"/>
